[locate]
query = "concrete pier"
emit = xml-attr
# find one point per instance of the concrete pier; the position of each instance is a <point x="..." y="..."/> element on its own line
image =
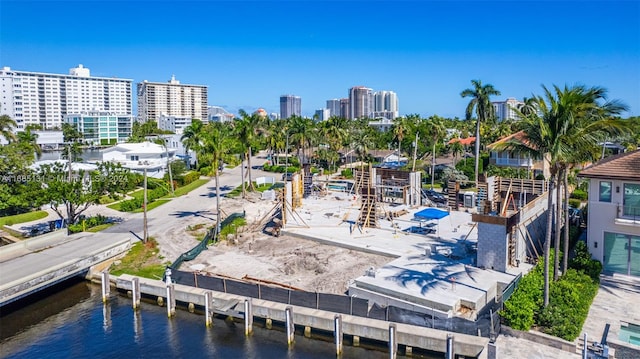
<point x="248" y="317"/>
<point x="337" y="333"/>
<point x="393" y="344"/>
<point x="171" y="301"/>
<point x="208" y="309"/>
<point x="106" y="286"/>
<point x="135" y="292"/>
<point x="357" y="327"/>
<point x="289" y="326"/>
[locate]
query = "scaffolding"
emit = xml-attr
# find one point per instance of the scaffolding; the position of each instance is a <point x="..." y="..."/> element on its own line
<point x="368" y="209"/>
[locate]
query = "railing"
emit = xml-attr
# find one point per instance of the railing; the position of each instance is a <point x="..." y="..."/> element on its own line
<point x="628" y="212"/>
<point x="520" y="162"/>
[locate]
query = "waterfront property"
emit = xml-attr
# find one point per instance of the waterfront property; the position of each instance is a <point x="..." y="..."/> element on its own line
<point x="101" y="128"/>
<point x="140" y="156"/>
<point x="613" y="220"/>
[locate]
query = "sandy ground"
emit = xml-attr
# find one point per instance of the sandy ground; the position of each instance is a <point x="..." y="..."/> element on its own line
<point x="291" y="261"/>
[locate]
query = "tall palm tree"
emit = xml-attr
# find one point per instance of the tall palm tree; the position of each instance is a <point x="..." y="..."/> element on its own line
<point x="216" y="143"/>
<point x="481" y="101"/>
<point x="438" y="132"/>
<point x="247" y="129"/>
<point x="528" y="106"/>
<point x="301" y="134"/>
<point x="568" y="120"/>
<point x="456" y="149"/>
<point x="7" y="124"/>
<point x="192" y="137"/>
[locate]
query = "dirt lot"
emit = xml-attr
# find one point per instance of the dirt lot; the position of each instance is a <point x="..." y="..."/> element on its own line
<point x="288" y="260"/>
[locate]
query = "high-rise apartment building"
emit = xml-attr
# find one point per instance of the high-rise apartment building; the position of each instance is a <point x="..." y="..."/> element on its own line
<point x="344" y="108"/>
<point x="360" y="102"/>
<point x="385" y="105"/>
<point x="290" y="105"/>
<point x="506" y="109"/>
<point x="321" y="114"/>
<point x="171" y="98"/>
<point x="334" y="107"/>
<point x="101" y="128"/>
<point x="37" y="98"/>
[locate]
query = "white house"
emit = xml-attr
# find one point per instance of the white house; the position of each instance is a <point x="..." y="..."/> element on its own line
<point x="140" y="156"/>
<point x="613" y="233"/>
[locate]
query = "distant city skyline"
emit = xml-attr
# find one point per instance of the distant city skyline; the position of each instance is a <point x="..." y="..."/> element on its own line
<point x="427" y="59"/>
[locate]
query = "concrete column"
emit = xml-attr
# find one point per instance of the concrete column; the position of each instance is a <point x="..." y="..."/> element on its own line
<point x="337" y="333"/>
<point x="356" y="341"/>
<point x="307" y="331"/>
<point x="449" y="353"/>
<point x="268" y="323"/>
<point x="171" y="301"/>
<point x="106" y="286"/>
<point x="584" y="348"/>
<point x="208" y="309"/>
<point x="135" y="291"/>
<point x="393" y="344"/>
<point x="248" y="317"/>
<point x="492" y="351"/>
<point x="290" y="328"/>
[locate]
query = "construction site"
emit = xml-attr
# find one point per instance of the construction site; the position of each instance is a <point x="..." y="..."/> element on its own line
<point x="377" y="238"/>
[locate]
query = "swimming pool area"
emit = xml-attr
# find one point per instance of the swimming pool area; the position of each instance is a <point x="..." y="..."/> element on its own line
<point x="630" y="333"/>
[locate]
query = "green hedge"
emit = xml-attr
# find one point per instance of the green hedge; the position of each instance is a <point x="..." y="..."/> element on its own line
<point x="189" y="177"/>
<point x="131" y="205"/>
<point x="569" y="298"/>
<point x="579" y="194"/>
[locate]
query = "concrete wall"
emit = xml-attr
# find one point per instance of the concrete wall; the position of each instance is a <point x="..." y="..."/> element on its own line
<point x="533" y="217"/>
<point x="540" y="338"/>
<point x="492" y="246"/>
<point x="385" y="300"/>
<point x="410" y="335"/>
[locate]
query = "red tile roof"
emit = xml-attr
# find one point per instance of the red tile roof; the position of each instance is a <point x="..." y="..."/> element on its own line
<point x="463" y="141"/>
<point x="518" y="137"/>
<point x="625" y="166"/>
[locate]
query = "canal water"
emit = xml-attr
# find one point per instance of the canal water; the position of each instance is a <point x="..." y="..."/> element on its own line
<point x="72" y="322"/>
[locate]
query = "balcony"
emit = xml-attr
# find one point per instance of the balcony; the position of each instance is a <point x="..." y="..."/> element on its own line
<point x="512" y="162"/>
<point x="627" y="215"/>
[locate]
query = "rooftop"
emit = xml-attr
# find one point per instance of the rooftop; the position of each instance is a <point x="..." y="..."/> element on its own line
<point x="625" y="166"/>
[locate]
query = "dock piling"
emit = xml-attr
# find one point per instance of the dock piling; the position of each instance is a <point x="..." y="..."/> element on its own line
<point x="248" y="317"/>
<point x="106" y="286"/>
<point x="393" y="343"/>
<point x="449" y="354"/>
<point x="337" y="333"/>
<point x="290" y="328"/>
<point x="135" y="291"/>
<point x="171" y="301"/>
<point x="208" y="309"/>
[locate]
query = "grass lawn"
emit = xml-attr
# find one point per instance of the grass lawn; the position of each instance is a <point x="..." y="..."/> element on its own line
<point x="238" y="190"/>
<point x="181" y="191"/>
<point x="22" y="218"/>
<point x="99" y="227"/>
<point x="152" y="205"/>
<point x="142" y="260"/>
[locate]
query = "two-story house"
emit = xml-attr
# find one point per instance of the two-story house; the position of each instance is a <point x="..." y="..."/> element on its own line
<point x="613" y="222"/>
<point x="511" y="158"/>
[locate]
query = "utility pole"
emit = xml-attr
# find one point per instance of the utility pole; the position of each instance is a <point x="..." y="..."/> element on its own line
<point x="415" y="153"/>
<point x="70" y="179"/>
<point x="144" y="204"/>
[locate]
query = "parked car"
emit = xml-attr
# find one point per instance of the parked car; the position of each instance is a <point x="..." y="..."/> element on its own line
<point x="435" y="197"/>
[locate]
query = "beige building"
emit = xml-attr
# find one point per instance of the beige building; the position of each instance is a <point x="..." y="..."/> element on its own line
<point x="172" y="99"/>
<point x="613" y="223"/>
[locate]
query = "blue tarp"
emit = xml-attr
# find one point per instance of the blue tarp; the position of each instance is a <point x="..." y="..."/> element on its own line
<point x="430" y="213"/>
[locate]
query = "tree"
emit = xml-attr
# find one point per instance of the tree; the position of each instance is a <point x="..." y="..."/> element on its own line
<point x="247" y="129"/>
<point x="437" y="132"/>
<point x="70" y="133"/>
<point x="7" y="124"/>
<point x="28" y="141"/>
<point x="70" y="193"/>
<point x="216" y="143"/>
<point x="192" y="137"/>
<point x="569" y="120"/>
<point x="481" y="102"/>
<point x="456" y="149"/>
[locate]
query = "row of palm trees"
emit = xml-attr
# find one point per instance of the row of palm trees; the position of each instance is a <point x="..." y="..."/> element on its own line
<point x="565" y="126"/>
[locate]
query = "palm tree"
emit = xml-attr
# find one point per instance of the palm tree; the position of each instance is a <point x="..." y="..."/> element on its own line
<point x="481" y="101"/>
<point x="456" y="149"/>
<point x="216" y="143"/>
<point x="247" y="129"/>
<point x="334" y="132"/>
<point x="7" y="124"/>
<point x="569" y="120"/>
<point x="401" y="128"/>
<point x="528" y="106"/>
<point x="192" y="137"/>
<point x="437" y="132"/>
<point x="28" y="141"/>
<point x="301" y="133"/>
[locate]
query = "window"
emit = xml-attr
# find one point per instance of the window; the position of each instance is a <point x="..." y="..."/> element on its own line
<point x="631" y="200"/>
<point x="135" y="158"/>
<point x="605" y="191"/>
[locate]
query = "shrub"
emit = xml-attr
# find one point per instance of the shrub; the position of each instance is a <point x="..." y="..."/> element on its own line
<point x="190" y="177"/>
<point x="347" y="172"/>
<point x="519" y="311"/>
<point x="575" y="203"/>
<point x="579" y="194"/>
<point x="583" y="263"/>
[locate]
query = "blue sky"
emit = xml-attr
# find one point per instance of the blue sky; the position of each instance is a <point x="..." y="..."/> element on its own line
<point x="250" y="53"/>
